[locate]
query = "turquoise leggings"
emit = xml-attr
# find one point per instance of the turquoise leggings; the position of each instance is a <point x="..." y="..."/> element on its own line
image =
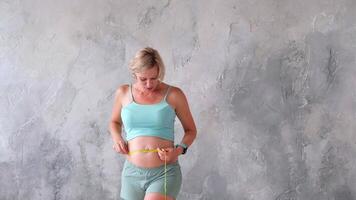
<point x="137" y="181"/>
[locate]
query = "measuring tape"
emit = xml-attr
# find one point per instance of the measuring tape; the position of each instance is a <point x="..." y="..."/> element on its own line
<point x="143" y="151"/>
<point x="165" y="165"/>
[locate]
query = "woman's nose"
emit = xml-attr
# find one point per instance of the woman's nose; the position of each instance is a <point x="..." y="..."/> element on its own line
<point x="148" y="84"/>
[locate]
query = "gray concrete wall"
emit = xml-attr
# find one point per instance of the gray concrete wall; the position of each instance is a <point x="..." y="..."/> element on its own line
<point x="271" y="85"/>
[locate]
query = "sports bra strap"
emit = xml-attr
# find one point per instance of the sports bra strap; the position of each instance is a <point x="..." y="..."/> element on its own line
<point x="165" y="96"/>
<point x="132" y="97"/>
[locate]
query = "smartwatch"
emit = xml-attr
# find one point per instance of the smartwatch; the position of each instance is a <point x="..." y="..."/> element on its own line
<point x="184" y="146"/>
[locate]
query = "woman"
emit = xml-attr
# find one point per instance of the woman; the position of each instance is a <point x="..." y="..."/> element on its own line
<point x="146" y="110"/>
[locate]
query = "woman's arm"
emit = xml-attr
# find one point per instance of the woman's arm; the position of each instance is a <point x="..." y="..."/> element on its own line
<point x="115" y="125"/>
<point x="178" y="100"/>
<point x="185" y="117"/>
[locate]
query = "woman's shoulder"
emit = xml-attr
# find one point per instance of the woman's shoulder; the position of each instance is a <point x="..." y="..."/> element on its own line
<point x="175" y="93"/>
<point x="175" y="89"/>
<point x="122" y="90"/>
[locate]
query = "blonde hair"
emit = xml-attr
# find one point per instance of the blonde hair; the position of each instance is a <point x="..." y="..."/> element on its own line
<point x="147" y="58"/>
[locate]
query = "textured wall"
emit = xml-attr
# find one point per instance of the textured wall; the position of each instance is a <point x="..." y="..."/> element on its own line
<point x="271" y="85"/>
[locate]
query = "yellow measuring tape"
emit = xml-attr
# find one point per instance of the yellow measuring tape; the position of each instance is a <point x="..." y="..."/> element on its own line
<point x="143" y="151"/>
<point x="165" y="165"/>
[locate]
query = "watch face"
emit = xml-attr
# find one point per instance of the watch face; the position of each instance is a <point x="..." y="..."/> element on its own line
<point x="184" y="150"/>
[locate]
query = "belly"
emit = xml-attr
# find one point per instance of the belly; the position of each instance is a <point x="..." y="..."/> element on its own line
<point x="148" y="159"/>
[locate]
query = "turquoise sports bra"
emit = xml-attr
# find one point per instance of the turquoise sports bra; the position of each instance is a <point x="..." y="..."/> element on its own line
<point x="148" y="119"/>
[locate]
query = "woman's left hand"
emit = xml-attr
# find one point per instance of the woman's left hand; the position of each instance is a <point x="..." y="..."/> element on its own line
<point x="169" y="154"/>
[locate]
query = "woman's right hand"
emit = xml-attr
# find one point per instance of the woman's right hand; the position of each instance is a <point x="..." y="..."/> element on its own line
<point x="120" y="146"/>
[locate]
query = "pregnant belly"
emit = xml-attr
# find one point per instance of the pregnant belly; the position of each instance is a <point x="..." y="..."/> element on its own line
<point x="146" y="143"/>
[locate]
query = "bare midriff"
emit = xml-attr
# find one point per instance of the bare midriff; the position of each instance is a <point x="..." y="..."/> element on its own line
<point x="150" y="159"/>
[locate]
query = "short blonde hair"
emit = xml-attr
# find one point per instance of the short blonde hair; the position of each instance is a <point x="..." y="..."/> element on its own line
<point x="147" y="58"/>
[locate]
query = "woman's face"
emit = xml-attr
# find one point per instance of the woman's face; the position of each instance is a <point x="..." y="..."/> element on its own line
<point x="148" y="79"/>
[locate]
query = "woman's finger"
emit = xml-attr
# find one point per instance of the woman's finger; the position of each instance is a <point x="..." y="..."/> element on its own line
<point x="123" y="147"/>
<point x="118" y="147"/>
<point x="162" y="154"/>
